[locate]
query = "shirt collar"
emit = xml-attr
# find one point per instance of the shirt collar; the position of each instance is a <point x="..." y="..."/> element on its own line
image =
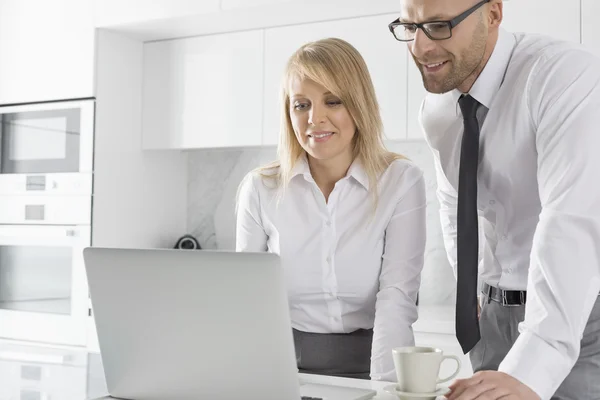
<point x="488" y="83"/>
<point x="356" y="171"/>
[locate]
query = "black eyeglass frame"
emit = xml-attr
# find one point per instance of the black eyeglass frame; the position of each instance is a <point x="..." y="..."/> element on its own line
<point x="451" y="23"/>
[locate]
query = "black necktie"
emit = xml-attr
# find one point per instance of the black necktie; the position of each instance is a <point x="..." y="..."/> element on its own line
<point x="467" y="322"/>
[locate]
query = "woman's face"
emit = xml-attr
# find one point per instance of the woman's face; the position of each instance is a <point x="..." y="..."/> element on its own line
<point x="322" y="124"/>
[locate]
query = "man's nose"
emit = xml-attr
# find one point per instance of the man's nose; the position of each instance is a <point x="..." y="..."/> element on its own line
<point x="421" y="44"/>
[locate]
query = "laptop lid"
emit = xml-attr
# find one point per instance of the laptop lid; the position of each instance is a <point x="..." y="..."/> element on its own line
<point x="181" y="324"/>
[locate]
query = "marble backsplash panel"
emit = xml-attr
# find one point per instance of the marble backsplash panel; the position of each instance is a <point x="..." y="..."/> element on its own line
<point x="213" y="179"/>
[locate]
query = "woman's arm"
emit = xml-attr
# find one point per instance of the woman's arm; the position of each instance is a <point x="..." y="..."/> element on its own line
<point x="249" y="234"/>
<point x="400" y="278"/>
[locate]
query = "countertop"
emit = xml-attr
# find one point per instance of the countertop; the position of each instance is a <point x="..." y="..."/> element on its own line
<point x="435" y="319"/>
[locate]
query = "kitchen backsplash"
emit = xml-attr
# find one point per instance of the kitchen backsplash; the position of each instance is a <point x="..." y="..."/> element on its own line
<point x="214" y="176"/>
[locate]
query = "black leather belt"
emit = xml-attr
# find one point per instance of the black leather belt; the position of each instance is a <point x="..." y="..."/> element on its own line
<point x="508" y="298"/>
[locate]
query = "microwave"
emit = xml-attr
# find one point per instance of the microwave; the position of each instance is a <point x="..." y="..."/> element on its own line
<point x="47" y="148"/>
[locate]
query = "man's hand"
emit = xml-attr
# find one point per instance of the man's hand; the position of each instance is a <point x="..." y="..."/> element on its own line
<point x="490" y="385"/>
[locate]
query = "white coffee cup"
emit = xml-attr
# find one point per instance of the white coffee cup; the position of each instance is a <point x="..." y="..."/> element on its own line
<point x="418" y="368"/>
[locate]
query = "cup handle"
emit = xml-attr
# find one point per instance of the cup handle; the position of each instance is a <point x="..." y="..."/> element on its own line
<point x="440" y="380"/>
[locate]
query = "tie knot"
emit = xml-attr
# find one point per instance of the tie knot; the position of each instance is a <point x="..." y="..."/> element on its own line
<point x="468" y="106"/>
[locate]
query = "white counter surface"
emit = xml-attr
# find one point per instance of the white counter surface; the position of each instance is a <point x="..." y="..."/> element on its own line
<point x="435" y="319"/>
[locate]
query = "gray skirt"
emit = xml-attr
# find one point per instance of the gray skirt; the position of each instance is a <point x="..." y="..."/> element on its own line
<point x="337" y="354"/>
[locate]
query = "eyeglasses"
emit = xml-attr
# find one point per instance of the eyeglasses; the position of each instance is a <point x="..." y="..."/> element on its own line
<point x="435" y="30"/>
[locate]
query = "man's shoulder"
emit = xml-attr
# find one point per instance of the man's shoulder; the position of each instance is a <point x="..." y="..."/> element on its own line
<point x="536" y="52"/>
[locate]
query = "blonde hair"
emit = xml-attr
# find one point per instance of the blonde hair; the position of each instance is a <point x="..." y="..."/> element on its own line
<point x="336" y="65"/>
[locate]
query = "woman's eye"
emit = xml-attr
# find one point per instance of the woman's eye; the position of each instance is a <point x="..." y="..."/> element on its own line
<point x="333" y="103"/>
<point x="300" y="106"/>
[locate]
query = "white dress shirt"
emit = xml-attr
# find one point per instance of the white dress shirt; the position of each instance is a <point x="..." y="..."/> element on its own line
<point x="347" y="264"/>
<point x="538" y="192"/>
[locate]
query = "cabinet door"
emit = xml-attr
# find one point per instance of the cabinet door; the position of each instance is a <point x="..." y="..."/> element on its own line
<point x="114" y="12"/>
<point x="416" y="94"/>
<point x="203" y="92"/>
<point x="385" y="58"/>
<point x="558" y="19"/>
<point x="590" y="29"/>
<point x="47" y="50"/>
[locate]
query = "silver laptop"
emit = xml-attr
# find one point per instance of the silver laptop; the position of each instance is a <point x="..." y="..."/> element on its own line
<point x="189" y="325"/>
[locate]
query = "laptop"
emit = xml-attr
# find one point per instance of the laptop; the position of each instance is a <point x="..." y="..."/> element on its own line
<point x="189" y="325"/>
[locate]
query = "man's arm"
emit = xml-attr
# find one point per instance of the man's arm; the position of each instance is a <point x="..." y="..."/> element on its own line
<point x="564" y="274"/>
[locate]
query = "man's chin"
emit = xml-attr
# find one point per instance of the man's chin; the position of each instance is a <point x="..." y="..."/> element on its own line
<point x="435" y="87"/>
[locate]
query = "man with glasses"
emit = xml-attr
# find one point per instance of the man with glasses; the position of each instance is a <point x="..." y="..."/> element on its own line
<point x="513" y="120"/>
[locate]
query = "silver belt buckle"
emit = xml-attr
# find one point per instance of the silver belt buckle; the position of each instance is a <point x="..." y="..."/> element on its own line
<point x="504" y="299"/>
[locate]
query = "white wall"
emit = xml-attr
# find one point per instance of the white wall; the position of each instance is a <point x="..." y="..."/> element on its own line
<point x="139" y="197"/>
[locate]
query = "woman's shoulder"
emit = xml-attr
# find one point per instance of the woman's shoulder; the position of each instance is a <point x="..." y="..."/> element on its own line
<point x="265" y="176"/>
<point x="402" y="168"/>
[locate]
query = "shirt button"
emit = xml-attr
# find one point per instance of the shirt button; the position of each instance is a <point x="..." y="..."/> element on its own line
<point x="492" y="202"/>
<point x="504" y="237"/>
<point x="328" y="223"/>
<point x="328" y="259"/>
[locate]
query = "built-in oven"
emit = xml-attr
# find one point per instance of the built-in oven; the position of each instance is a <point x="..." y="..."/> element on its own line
<point x="46" y="192"/>
<point x="43" y="287"/>
<point x="47" y="147"/>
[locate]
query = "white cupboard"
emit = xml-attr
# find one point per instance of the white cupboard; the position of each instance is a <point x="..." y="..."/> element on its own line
<point x="385" y="58"/>
<point x="118" y="12"/>
<point x="47" y="50"/>
<point x="416" y="93"/>
<point x="560" y="19"/>
<point x="590" y="25"/>
<point x="203" y="92"/>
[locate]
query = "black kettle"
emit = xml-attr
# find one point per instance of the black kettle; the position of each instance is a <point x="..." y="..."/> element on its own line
<point x="187" y="242"/>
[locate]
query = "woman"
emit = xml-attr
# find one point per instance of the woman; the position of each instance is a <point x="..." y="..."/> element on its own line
<point x="346" y="217"/>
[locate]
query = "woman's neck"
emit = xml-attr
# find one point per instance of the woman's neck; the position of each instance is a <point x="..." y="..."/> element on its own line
<point x="327" y="172"/>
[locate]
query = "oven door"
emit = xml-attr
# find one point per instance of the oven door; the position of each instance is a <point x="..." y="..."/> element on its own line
<point x="43" y="287"/>
<point x="46" y="138"/>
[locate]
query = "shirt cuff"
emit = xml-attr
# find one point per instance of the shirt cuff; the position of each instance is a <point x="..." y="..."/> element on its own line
<point x="387" y="376"/>
<point x="536" y="364"/>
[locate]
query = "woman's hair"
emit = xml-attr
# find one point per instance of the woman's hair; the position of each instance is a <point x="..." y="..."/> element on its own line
<point x="337" y="66"/>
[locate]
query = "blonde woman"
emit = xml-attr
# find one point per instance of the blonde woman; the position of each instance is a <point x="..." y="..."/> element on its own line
<point x="346" y="217"/>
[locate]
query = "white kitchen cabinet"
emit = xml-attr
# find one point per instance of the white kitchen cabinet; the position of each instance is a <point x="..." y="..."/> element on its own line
<point x="590" y="28"/>
<point x="243" y="4"/>
<point x="416" y="93"/>
<point x="43" y="379"/>
<point x="385" y="58"/>
<point x="47" y="50"/>
<point x="118" y="12"/>
<point x="203" y="92"/>
<point x="560" y="19"/>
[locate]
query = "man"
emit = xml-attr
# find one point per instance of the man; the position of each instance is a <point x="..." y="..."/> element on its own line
<point x="513" y="121"/>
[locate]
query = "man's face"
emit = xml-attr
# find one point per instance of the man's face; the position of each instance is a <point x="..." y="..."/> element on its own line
<point x="446" y="64"/>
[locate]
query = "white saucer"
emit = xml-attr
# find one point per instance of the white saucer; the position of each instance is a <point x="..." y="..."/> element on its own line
<point x="391" y="389"/>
